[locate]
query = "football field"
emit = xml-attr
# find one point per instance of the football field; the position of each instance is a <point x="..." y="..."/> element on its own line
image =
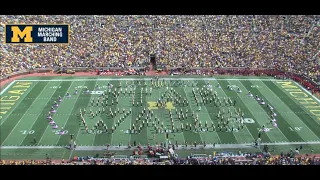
<point x="25" y="105"/>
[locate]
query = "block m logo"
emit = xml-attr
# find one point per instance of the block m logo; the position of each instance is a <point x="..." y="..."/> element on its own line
<point x="17" y="34"/>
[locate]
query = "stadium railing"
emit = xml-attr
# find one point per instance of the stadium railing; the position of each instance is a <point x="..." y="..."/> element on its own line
<point x="302" y="79"/>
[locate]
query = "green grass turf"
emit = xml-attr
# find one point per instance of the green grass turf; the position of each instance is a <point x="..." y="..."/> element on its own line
<point x="26" y="119"/>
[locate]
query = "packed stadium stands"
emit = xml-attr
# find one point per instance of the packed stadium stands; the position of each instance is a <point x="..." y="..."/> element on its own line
<point x="288" y="43"/>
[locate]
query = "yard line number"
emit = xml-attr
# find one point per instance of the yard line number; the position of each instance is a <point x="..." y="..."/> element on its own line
<point x="27" y="131"/>
<point x="96" y="92"/>
<point x="248" y="120"/>
<point x="245" y="120"/>
<point x="58" y="131"/>
<point x="55" y="87"/>
<point x="94" y="132"/>
<point x="295" y="128"/>
<point x="255" y="86"/>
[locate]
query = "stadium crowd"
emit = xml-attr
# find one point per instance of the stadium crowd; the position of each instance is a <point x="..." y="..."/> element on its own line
<point x="288" y="42"/>
<point x="277" y="160"/>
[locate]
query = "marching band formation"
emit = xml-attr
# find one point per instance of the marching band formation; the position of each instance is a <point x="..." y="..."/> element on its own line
<point x="181" y="118"/>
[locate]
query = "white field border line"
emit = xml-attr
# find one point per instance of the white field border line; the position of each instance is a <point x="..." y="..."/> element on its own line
<point x="294" y="113"/>
<point x="189" y="104"/>
<point x="54" y="114"/>
<point x="79" y="130"/>
<point x="5" y="89"/>
<point x="22" y="118"/>
<point x="16" y="105"/>
<point x="122" y="97"/>
<point x="262" y="110"/>
<point x="315" y="98"/>
<point x="245" y="126"/>
<point x="125" y="79"/>
<point x="68" y="118"/>
<point x="88" y="148"/>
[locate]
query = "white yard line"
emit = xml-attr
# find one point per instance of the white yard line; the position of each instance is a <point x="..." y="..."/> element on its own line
<point x="113" y="125"/>
<point x="262" y="110"/>
<point x="146" y="101"/>
<point x="79" y="127"/>
<point x="5" y="89"/>
<point x="130" y="122"/>
<point x="99" y="118"/>
<point x="225" y="95"/>
<point x="32" y="147"/>
<point x="68" y="117"/>
<point x="173" y="78"/>
<point x="245" y="126"/>
<point x="162" y="117"/>
<point x="23" y="116"/>
<point x="234" y="108"/>
<point x="17" y="104"/>
<point x="159" y="94"/>
<point x="78" y="130"/>
<point x="191" y="109"/>
<point x="54" y="114"/>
